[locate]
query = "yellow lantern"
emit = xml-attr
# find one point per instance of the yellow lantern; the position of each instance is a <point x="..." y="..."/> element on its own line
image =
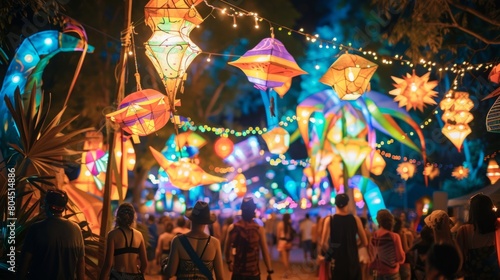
<point x="375" y="163"/>
<point x="350" y="76"/>
<point x="353" y="152"/>
<point x="223" y="147"/>
<point x="493" y="171"/>
<point x="406" y="170"/>
<point x="456" y="133"/>
<point x="277" y="140"/>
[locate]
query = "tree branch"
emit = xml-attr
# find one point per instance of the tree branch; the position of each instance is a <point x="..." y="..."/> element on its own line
<point x="470" y="32"/>
<point x="475" y="13"/>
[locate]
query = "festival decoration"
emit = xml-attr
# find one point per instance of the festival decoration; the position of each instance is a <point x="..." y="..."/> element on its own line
<point x="493" y="116"/>
<point x="350" y="76"/>
<point x="353" y="152"/>
<point x="240" y="185"/>
<point x="95" y="161"/>
<point x="371" y="193"/>
<point x="494" y="75"/>
<point x="277" y="140"/>
<point x="185" y="175"/>
<point x="269" y="65"/>
<point x="460" y="172"/>
<point x="375" y="163"/>
<point x="142" y="112"/>
<point x="414" y="92"/>
<point x="223" y="147"/>
<point x="169" y="48"/>
<point x="493" y="171"/>
<point x="406" y="170"/>
<point x="456" y="115"/>
<point x="191" y="139"/>
<point x="431" y="171"/>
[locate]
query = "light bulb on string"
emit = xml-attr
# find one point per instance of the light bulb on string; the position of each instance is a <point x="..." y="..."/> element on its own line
<point x="234" y="22"/>
<point x="209" y="58"/>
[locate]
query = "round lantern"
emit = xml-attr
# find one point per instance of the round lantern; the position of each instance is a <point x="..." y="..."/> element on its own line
<point x="223" y="147"/>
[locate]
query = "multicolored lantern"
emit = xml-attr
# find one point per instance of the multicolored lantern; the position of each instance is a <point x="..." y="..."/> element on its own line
<point x="223" y="147"/>
<point x="414" y="92"/>
<point x="350" y="76"/>
<point x="185" y="175"/>
<point x="269" y="65"/>
<point x="142" y="112"/>
<point x="353" y="152"/>
<point x="277" y="140"/>
<point x="169" y="48"/>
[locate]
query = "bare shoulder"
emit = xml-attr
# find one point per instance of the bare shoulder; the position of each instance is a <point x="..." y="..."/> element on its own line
<point x="214" y="241"/>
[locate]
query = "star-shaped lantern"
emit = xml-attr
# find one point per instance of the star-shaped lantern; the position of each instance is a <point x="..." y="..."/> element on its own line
<point x="350" y="76"/>
<point x="414" y="92"/>
<point x="460" y="172"/>
<point x="406" y="170"/>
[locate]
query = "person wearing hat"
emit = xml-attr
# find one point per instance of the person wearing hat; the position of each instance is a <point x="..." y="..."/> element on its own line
<point x="195" y="255"/>
<point x="53" y="248"/>
<point x="339" y="241"/>
<point x="246" y="239"/>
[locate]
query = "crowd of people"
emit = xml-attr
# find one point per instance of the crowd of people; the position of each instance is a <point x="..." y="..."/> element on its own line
<point x="338" y="246"/>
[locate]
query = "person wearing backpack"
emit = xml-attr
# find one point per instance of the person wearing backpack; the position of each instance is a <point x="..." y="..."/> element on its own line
<point x="245" y="240"/>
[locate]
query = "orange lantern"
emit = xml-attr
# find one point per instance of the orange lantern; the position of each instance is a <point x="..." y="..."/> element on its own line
<point x="414" y="92"/>
<point x="240" y="185"/>
<point x="350" y="76"/>
<point x="357" y="195"/>
<point x="277" y="140"/>
<point x="460" y="172"/>
<point x="375" y="163"/>
<point x="493" y="171"/>
<point x="223" y="147"/>
<point x="456" y="133"/>
<point x="406" y="170"/>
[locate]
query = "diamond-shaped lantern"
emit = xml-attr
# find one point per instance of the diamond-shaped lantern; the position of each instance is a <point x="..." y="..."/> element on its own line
<point x="493" y="171"/>
<point x="375" y="163"/>
<point x="350" y="76"/>
<point x="456" y="115"/>
<point x="277" y="140"/>
<point x="353" y="152"/>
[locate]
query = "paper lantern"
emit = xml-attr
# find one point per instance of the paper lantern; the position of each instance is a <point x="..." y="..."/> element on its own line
<point x="493" y="171"/>
<point x="406" y="170"/>
<point x="414" y="92"/>
<point x="460" y="172"/>
<point x="240" y="185"/>
<point x="185" y="175"/>
<point x="357" y="195"/>
<point x="494" y="75"/>
<point x="349" y="76"/>
<point x="353" y="152"/>
<point x="95" y="161"/>
<point x="269" y="65"/>
<point x="142" y="112"/>
<point x="223" y="147"/>
<point x="456" y="133"/>
<point x="190" y="138"/>
<point x="277" y="140"/>
<point x="375" y="163"/>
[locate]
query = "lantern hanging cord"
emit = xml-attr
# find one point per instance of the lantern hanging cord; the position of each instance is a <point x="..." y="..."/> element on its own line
<point x="137" y="75"/>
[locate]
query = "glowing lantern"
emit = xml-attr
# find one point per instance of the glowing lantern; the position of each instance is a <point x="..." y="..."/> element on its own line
<point x="375" y="163"/>
<point x="277" y="140"/>
<point x="240" y="185"/>
<point x="357" y="195"/>
<point x="185" y="175"/>
<point x="353" y="152"/>
<point x="493" y="171"/>
<point x="414" y="92"/>
<point x="456" y="133"/>
<point x="336" y="171"/>
<point x="169" y="48"/>
<point x="460" y="172"/>
<point x="142" y="112"/>
<point x="312" y="176"/>
<point x="406" y="170"/>
<point x="223" y="147"/>
<point x="94" y="161"/>
<point x="431" y="171"/>
<point x="269" y="65"/>
<point x="189" y="138"/>
<point x="494" y="75"/>
<point x="349" y="76"/>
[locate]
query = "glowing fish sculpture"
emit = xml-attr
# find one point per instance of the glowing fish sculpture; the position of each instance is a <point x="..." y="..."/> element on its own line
<point x="269" y="65"/>
<point x="169" y="48"/>
<point x="185" y="175"/>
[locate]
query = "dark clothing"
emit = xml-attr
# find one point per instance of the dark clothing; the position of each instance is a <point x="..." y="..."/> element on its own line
<point x="239" y="277"/>
<point x="56" y="245"/>
<point x="245" y="238"/>
<point x="344" y="249"/>
<point x="482" y="264"/>
<point x="153" y="240"/>
<point x="188" y="270"/>
<point x="128" y="247"/>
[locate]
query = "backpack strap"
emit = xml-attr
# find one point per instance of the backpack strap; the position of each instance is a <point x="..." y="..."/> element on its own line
<point x="194" y="257"/>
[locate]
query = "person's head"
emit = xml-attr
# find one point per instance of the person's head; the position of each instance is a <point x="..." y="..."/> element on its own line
<point x="385" y="219"/>
<point x="443" y="262"/>
<point x="169" y="227"/>
<point x="125" y="215"/>
<point x="341" y="200"/>
<point x="180" y="222"/>
<point x="151" y="219"/>
<point x="287" y="219"/>
<point x="307" y="216"/>
<point x="481" y="213"/>
<point x="200" y="214"/>
<point x="55" y="201"/>
<point x="248" y="207"/>
<point x="438" y="218"/>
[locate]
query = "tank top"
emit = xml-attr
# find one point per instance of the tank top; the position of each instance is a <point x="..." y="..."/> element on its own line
<point x="343" y="231"/>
